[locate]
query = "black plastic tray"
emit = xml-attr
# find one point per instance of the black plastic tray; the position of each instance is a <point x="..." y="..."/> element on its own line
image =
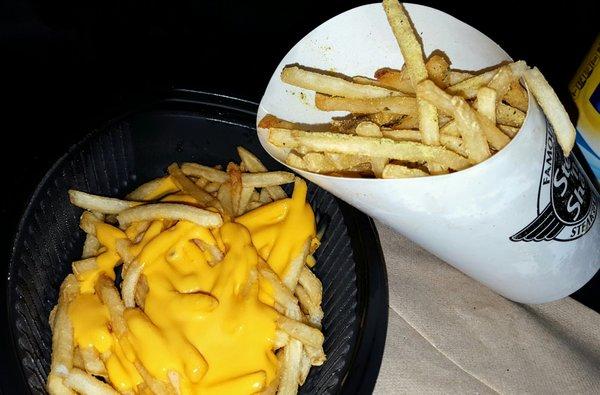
<point x="190" y="126"/>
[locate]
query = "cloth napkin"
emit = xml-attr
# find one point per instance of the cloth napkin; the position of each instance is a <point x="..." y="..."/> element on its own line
<point x="449" y="334"/>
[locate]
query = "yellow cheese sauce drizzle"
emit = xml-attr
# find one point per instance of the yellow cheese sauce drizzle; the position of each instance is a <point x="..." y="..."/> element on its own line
<point x="206" y="323"/>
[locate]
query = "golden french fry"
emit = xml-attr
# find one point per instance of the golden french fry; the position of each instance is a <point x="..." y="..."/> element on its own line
<point x="88" y="222"/>
<point x="170" y="211"/>
<point x="507" y="115"/>
<point x="291" y="357"/>
<point x="270" y="121"/>
<point x="314" y="311"/>
<point x="101" y="204"/>
<point x="156" y="386"/>
<point x="450" y="129"/>
<point x="553" y="108"/>
<point x="85" y="383"/>
<point x="331" y="85"/>
<point x="468" y="88"/>
<point x="357" y="145"/>
<point x="92" y="362"/>
<point x="78" y="359"/>
<point x="359" y="79"/>
<point x="377" y="165"/>
<point x="501" y="81"/>
<point x="454" y="77"/>
<point x="399" y="171"/>
<point x="394" y="104"/>
<point x="254" y="165"/>
<point x="428" y="122"/>
<point x="225" y="198"/>
<point x="510" y="131"/>
<point x="311" y="284"/>
<point x="296" y="161"/>
<point x="212" y="187"/>
<point x="189" y="187"/>
<point x="284" y="298"/>
<point x="474" y="139"/>
<point x="304" y="368"/>
<point x="235" y="180"/>
<point x="493" y="135"/>
<point x="91" y="245"/>
<point x="395" y="79"/>
<point x="308" y="335"/>
<point x="109" y="295"/>
<point x="438" y="68"/>
<point x="318" y="163"/>
<point x="486" y="102"/>
<point x="83" y="266"/>
<point x="368" y="129"/>
<point x="62" y="338"/>
<point x="210" y="173"/>
<point x="293" y="269"/>
<point x="387" y="118"/>
<point x="281" y="339"/>
<point x="245" y="198"/>
<point x="517" y="97"/>
<point x="216" y="255"/>
<point x="153" y="190"/>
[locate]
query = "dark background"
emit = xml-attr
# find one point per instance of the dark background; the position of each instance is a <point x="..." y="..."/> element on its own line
<point x="67" y="65"/>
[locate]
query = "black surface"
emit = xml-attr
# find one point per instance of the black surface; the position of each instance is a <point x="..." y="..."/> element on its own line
<point x="67" y="65"/>
<point x="204" y="128"/>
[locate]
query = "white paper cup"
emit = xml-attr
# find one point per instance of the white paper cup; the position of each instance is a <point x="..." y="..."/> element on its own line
<point x="522" y="222"/>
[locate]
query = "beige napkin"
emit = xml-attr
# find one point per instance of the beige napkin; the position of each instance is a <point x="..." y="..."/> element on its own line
<point x="449" y="334"/>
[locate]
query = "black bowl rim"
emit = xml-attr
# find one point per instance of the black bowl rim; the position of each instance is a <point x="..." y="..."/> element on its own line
<point x="366" y="361"/>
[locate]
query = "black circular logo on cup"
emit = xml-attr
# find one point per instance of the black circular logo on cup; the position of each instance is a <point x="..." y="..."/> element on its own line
<point x="566" y="206"/>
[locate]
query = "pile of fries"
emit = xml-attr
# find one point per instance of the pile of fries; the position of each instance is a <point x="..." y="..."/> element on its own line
<point x="423" y="119"/>
<point x="208" y="197"/>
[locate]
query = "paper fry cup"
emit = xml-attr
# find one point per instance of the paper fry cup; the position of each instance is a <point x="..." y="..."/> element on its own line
<point x="522" y="222"/>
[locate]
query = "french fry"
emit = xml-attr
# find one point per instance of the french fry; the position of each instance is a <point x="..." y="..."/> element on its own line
<point x="371" y="81"/>
<point x="408" y="122"/>
<point x="129" y="284"/>
<point x="91" y="246"/>
<point x="284" y="298"/>
<point x="235" y="180"/>
<point x="190" y="188"/>
<point x="170" y="211"/>
<point x="245" y="198"/>
<point x="153" y="190"/>
<point x="473" y="136"/>
<point x="291" y="357"/>
<point x="496" y="139"/>
<point x="62" y="338"/>
<point x="395" y="79"/>
<point x="468" y="88"/>
<point x="296" y="161"/>
<point x="318" y="163"/>
<point x="267" y="179"/>
<point x="314" y="311"/>
<point x="304" y="368"/>
<point x="264" y="196"/>
<point x="553" y="108"/>
<point x="85" y="383"/>
<point x="501" y="81"/>
<point x="368" y="129"/>
<point x="254" y="165"/>
<point x="78" y="359"/>
<point x="328" y="84"/>
<point x="210" y="173"/>
<point x="84" y="266"/>
<point x="510" y="131"/>
<point x="387" y="118"/>
<point x="311" y="284"/>
<point x="87" y="222"/>
<point x="413" y="56"/>
<point x="224" y="195"/>
<point x="357" y="145"/>
<point x="308" y="335"/>
<point x="437" y="69"/>
<point x="109" y="295"/>
<point x="92" y="362"/>
<point x="315" y="354"/>
<point x="281" y="339"/>
<point x="486" y="103"/>
<point x="378" y="164"/>
<point x="450" y="129"/>
<point x="156" y="386"/>
<point x="213" y="251"/>
<point x="212" y="187"/>
<point x="271" y="121"/>
<point x="517" y="97"/>
<point x="101" y="204"/>
<point x="454" y="77"/>
<point x="141" y="291"/>
<point x="394" y="104"/>
<point x="399" y="171"/>
<point x="293" y="269"/>
<point x="507" y="115"/>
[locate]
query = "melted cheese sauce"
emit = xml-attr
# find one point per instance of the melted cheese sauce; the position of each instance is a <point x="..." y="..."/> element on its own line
<point x="206" y="323"/>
